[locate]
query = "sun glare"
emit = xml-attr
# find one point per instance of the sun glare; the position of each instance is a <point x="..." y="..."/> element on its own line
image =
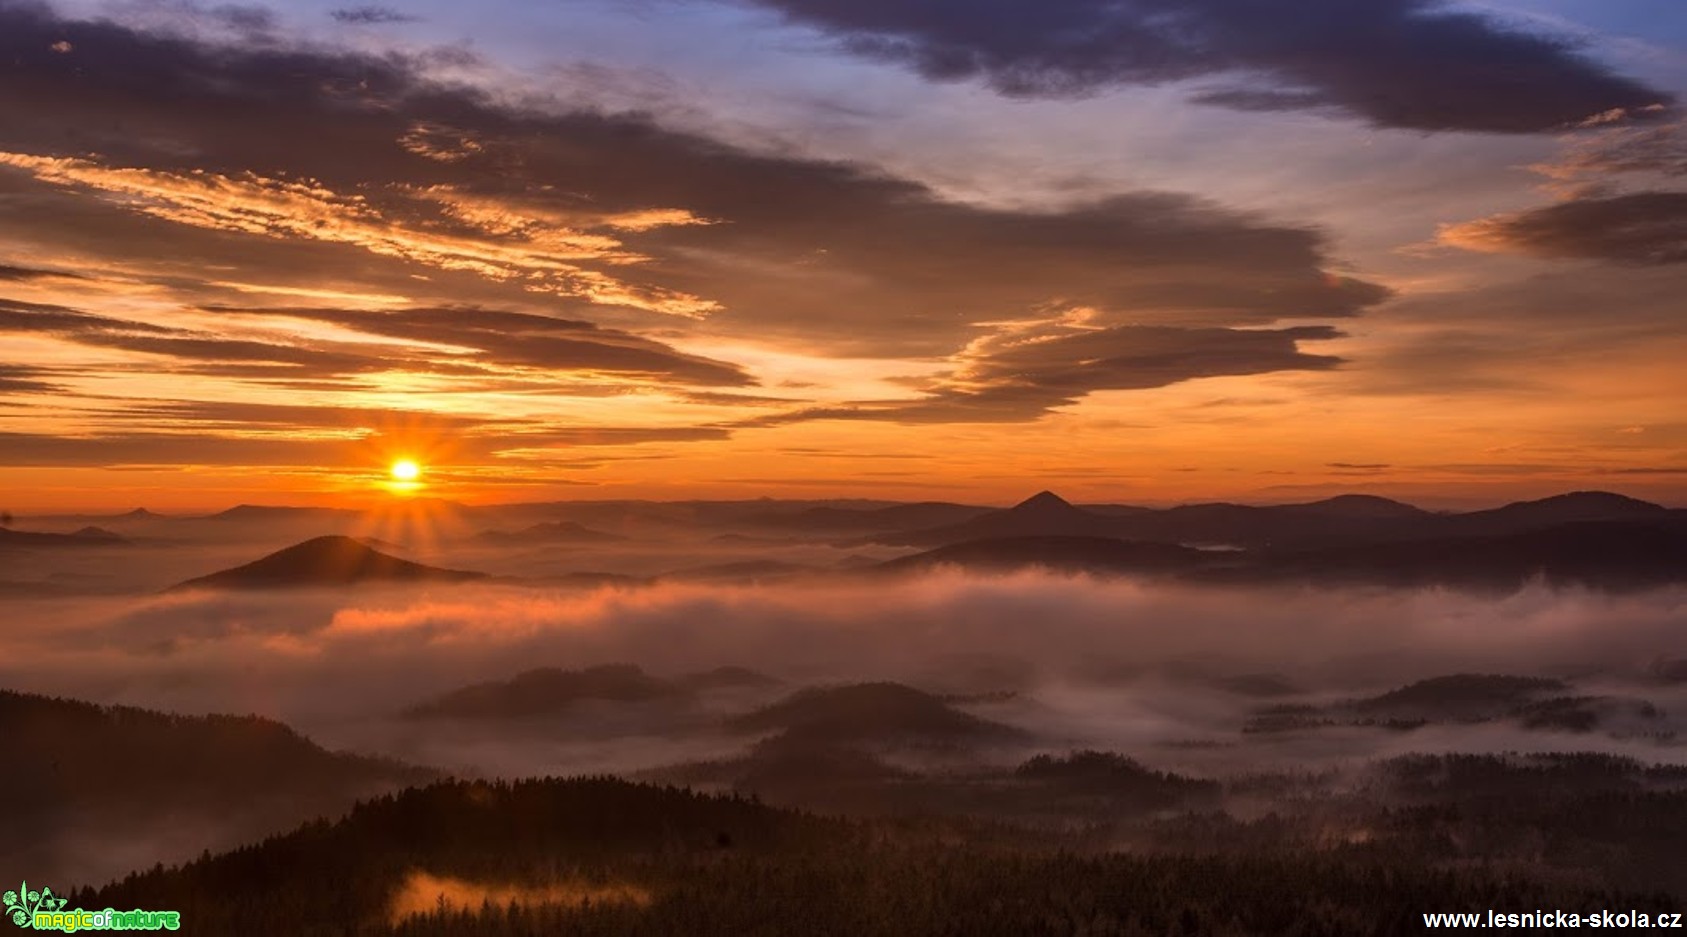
<point x="406" y="470"/>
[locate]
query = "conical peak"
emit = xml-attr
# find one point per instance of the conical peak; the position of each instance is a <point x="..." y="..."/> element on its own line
<point x="1043" y="500"/>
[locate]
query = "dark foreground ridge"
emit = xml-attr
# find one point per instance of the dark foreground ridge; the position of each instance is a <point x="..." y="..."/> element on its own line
<point x="607" y="857"/>
<point x="325" y="561"/>
<point x="118" y="775"/>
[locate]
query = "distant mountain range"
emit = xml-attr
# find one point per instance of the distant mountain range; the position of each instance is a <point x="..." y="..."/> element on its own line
<point x="1592" y="539"/>
<point x="326" y="561"/>
<point x="1331" y="522"/>
<point x="553" y="532"/>
<point x="86" y="537"/>
<point x="1348" y="518"/>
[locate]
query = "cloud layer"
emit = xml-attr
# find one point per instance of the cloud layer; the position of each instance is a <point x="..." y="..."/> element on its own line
<point x="1410" y="64"/>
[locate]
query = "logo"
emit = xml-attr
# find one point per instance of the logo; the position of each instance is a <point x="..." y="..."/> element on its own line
<point x="43" y="910"/>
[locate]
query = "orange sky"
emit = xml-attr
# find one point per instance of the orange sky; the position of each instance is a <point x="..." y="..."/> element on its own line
<point x="262" y="276"/>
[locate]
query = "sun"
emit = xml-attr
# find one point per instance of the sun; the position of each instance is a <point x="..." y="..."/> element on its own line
<point x="406" y="470"/>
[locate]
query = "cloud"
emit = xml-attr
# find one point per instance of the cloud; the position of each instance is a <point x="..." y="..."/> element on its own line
<point x="1021" y="370"/>
<point x="24" y="379"/>
<point x="487" y="343"/>
<point x="1590" y="161"/>
<point x="1640" y="228"/>
<point x="541" y="257"/>
<point x="276" y="162"/>
<point x="15" y="273"/>
<point x="1411" y="64"/>
<point x="525" y="242"/>
<point x="522" y="340"/>
<point x="370" y="15"/>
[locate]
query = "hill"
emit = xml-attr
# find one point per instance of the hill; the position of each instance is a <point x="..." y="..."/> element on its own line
<point x="325" y="561"/>
<point x="160" y="784"/>
<point x="86" y="537"/>
<point x="1612" y="555"/>
<point x="872" y="712"/>
<point x="1337" y="522"/>
<point x="1604" y="555"/>
<point x="1075" y="554"/>
<point x="913" y="516"/>
<point x="548" y="690"/>
<point x="552" y="532"/>
<point x="1044" y="514"/>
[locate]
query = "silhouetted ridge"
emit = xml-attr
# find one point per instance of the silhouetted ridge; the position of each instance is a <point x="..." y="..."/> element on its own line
<point x="1077" y="554"/>
<point x="176" y="783"/>
<point x="325" y="561"/>
<point x="711" y="866"/>
<point x="86" y="537"/>
<point x="1044" y="514"/>
<point x="547" y="690"/>
<point x="1459" y="691"/>
<point x="1361" y="507"/>
<point x="1572" y="507"/>
<point x="870" y="711"/>
<point x="552" y="532"/>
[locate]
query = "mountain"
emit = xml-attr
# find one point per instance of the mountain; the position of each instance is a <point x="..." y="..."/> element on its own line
<point x="1576" y="506"/>
<point x="1362" y="507"/>
<point x="1044" y="514"/>
<point x="552" y="532"/>
<point x="156" y="784"/>
<point x="1073" y="554"/>
<point x="896" y="517"/>
<point x="1333" y="522"/>
<point x="1529" y="702"/>
<point x="548" y="690"/>
<point x="739" y="571"/>
<point x="1606" y="555"/>
<point x="726" y="678"/>
<point x="325" y="561"/>
<point x="1611" y="555"/>
<point x="871" y="712"/>
<point x="1462" y="696"/>
<point x="86" y="537"/>
<point x="271" y="513"/>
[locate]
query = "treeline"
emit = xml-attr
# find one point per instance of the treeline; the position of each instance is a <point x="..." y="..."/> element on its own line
<point x="729" y="865"/>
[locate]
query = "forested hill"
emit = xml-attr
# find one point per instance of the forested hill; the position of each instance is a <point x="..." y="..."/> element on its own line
<point x="607" y="857"/>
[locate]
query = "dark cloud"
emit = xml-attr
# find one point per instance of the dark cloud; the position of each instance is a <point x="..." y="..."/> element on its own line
<point x="24" y="379"/>
<point x="15" y="273"/>
<point x="1396" y="63"/>
<point x="513" y="339"/>
<point x="492" y="341"/>
<point x="370" y="15"/>
<point x="278" y="445"/>
<point x="1589" y="161"/>
<point x="244" y="18"/>
<point x="1030" y="368"/>
<point x="1640" y="228"/>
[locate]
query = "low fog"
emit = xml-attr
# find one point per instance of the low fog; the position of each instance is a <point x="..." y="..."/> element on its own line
<point x="1145" y="668"/>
